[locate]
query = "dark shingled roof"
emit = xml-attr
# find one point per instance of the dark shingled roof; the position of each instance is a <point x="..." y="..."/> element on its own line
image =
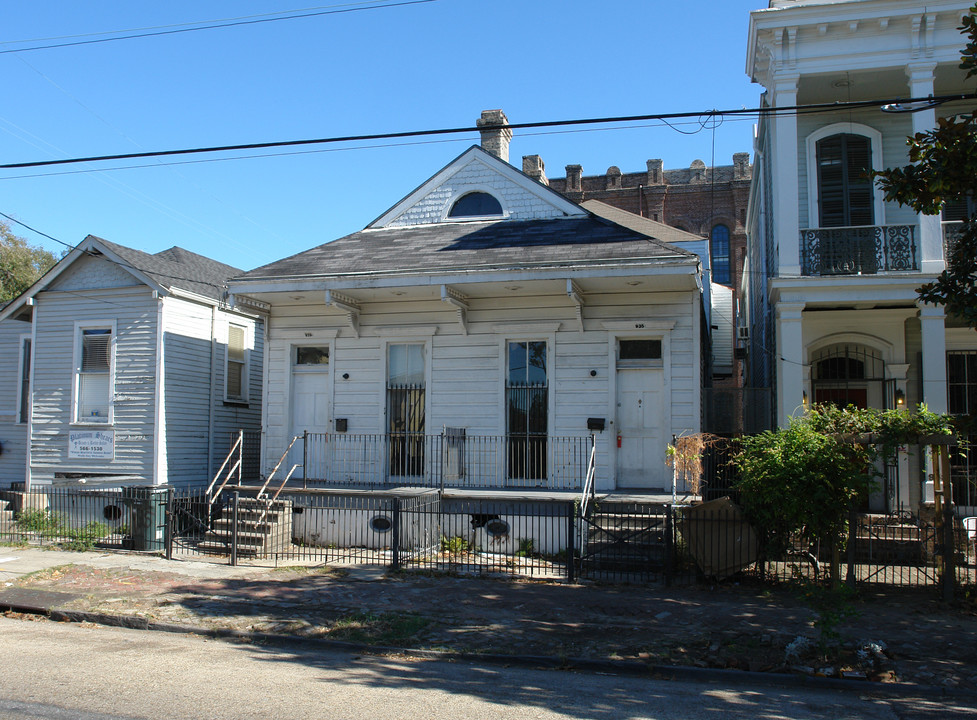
<point x="483" y="245"/>
<point x="178" y="268"/>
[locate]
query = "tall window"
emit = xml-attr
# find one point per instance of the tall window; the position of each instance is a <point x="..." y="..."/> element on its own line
<point x="25" y="380"/>
<point x="236" y="370"/>
<point x="527" y="409"/>
<point x="405" y="408"/>
<point x="845" y="194"/>
<point x="94" y="376"/>
<point x="719" y="252"/>
<point x="961" y="378"/>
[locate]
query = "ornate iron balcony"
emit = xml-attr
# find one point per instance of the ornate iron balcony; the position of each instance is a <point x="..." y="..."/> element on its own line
<point x="865" y="250"/>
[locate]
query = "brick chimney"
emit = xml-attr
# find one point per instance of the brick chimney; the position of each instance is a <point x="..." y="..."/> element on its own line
<point x="613" y="178"/>
<point x="532" y="165"/>
<point x="574" y="173"/>
<point x="741" y="166"/>
<point x="494" y="128"/>
<point x="656" y="172"/>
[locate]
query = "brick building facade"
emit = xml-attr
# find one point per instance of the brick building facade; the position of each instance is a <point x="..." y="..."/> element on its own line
<point x="707" y="201"/>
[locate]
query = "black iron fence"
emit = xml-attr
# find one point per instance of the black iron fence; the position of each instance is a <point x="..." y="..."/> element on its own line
<point x="862" y="250"/>
<point x="544" y="536"/>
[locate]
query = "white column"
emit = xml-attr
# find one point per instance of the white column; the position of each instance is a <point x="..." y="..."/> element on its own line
<point x="786" y="223"/>
<point x="932" y="319"/>
<point x="790" y="361"/>
<point x="929" y="227"/>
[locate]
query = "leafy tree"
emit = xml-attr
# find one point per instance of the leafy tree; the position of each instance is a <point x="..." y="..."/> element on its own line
<point x="944" y="168"/>
<point x="21" y="264"/>
<point x="801" y="480"/>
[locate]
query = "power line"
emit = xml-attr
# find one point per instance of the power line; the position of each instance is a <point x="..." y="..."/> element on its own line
<point x="215" y="25"/>
<point x="661" y="117"/>
<point x="181" y="25"/>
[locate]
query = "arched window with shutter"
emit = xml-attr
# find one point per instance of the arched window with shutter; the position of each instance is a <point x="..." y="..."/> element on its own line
<point x="845" y="194"/>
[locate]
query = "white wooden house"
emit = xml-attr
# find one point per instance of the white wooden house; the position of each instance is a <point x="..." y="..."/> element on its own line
<point x="830" y="287"/>
<point x="472" y="333"/>
<point x="123" y="367"/>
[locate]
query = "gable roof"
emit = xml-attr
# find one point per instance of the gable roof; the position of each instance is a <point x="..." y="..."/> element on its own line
<point x="174" y="269"/>
<point x="496" y="245"/>
<point x="561" y="206"/>
<point x="652" y="228"/>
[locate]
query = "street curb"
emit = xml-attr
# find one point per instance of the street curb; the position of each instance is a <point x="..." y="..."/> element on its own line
<point x="677" y="673"/>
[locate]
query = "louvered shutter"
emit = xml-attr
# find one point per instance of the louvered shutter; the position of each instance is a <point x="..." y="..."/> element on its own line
<point x="845" y="194"/>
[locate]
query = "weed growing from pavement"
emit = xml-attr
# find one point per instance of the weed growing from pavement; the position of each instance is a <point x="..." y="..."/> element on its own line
<point x="47" y="524"/>
<point x="378" y="628"/>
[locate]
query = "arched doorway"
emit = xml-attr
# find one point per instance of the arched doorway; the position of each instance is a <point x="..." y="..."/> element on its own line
<point x="853" y="374"/>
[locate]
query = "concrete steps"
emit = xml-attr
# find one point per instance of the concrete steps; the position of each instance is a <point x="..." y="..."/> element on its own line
<point x="263" y="528"/>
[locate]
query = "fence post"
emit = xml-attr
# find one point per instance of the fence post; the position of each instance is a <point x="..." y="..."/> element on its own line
<point x="168" y="537"/>
<point x="949" y="568"/>
<point x="395" y="542"/>
<point x="669" y="549"/>
<point x="305" y="459"/>
<point x="571" y="534"/>
<point x="234" y="517"/>
<point x="852" y="540"/>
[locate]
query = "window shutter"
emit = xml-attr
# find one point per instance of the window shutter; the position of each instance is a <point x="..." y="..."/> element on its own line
<point x="235" y="362"/>
<point x="845" y="193"/>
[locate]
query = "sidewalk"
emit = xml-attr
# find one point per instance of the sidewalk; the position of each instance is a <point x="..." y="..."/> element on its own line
<point x="725" y="627"/>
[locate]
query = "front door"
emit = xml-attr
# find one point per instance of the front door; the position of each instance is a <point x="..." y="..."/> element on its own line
<point x="310" y="411"/>
<point x="640" y="428"/>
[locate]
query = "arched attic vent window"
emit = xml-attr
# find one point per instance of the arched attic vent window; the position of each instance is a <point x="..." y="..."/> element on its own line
<point x="476" y="204"/>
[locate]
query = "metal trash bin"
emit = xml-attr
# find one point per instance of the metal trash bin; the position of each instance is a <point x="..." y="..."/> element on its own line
<point x="147" y="516"/>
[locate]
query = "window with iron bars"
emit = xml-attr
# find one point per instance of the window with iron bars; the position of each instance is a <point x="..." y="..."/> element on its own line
<point x="527" y="410"/>
<point x="406" y="409"/>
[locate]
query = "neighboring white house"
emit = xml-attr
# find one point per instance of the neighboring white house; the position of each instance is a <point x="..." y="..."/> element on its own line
<point x="126" y="368"/>
<point x="482" y="305"/>
<point x="832" y="270"/>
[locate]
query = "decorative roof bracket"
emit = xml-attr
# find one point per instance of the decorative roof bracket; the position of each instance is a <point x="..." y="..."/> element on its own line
<point x="349" y="306"/>
<point x="576" y="294"/>
<point x="459" y="302"/>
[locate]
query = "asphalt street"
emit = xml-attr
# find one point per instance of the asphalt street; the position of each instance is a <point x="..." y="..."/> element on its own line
<point x="55" y="670"/>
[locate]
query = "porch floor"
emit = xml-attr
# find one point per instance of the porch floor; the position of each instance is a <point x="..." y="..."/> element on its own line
<point x="651" y="496"/>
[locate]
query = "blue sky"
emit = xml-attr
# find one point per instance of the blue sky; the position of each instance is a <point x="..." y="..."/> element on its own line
<point x="429" y="65"/>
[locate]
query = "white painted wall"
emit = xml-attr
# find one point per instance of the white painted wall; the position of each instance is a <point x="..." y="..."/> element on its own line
<point x="13" y="434"/>
<point x="467" y="372"/>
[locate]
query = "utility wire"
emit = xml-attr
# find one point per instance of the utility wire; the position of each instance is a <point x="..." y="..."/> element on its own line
<point x="182" y="25"/>
<point x="663" y="117"/>
<point x="216" y="25"/>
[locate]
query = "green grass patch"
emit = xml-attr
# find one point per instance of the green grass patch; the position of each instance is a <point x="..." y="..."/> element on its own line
<point x="378" y="628"/>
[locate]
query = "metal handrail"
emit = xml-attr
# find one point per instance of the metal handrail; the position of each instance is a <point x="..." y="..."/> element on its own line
<point x="275" y="470"/>
<point x="588" y="486"/>
<point x="237" y="444"/>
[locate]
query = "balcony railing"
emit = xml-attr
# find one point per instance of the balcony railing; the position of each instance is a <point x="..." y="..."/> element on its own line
<point x="865" y="250"/>
<point x="449" y="460"/>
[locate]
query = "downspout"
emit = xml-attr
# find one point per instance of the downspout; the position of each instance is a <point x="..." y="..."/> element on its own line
<point x="210" y="405"/>
<point x="159" y="436"/>
<point x="30" y="402"/>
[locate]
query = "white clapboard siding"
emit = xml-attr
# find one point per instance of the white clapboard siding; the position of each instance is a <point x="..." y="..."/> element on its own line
<point x="467" y="371"/>
<point x="134" y="312"/>
<point x="13" y="435"/>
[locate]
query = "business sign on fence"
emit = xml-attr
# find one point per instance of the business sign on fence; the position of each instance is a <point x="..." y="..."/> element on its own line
<point x="91" y="444"/>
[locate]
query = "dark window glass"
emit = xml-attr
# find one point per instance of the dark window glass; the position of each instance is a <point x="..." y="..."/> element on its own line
<point x="641" y="350"/>
<point x="476" y="204"/>
<point x="719" y="251"/>
<point x="840" y="368"/>
<point x="845" y="192"/>
<point x="312" y="356"/>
